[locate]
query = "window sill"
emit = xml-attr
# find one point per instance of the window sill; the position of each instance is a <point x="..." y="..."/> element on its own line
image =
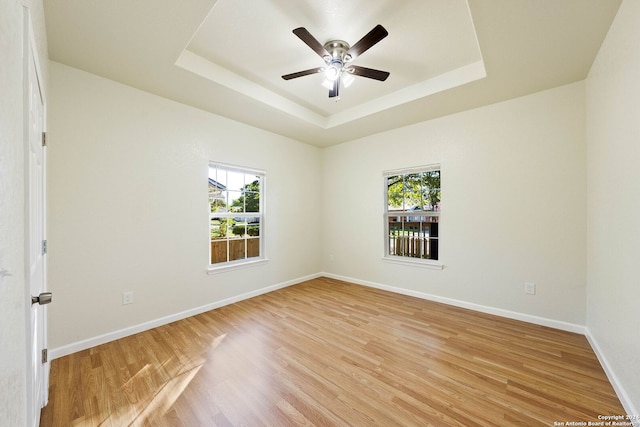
<point x="434" y="265"/>
<point x="235" y="266"/>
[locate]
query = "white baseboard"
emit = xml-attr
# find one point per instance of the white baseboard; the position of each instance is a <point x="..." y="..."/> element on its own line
<point x="112" y="336"/>
<point x="556" y="324"/>
<point x="121" y="333"/>
<point x="613" y="379"/>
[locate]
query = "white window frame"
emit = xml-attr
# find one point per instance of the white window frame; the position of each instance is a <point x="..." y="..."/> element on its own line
<point x="244" y="262"/>
<point x="399" y="259"/>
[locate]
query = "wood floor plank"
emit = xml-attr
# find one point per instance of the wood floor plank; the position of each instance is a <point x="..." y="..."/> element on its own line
<point x="330" y="353"/>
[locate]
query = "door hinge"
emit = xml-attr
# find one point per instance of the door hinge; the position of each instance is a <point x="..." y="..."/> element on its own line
<point x="44" y="247"/>
<point x="45" y="355"/>
<point x="44" y="139"/>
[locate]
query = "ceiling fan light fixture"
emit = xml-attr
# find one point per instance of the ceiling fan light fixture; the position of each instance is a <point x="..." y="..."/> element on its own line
<point x="347" y="79"/>
<point x="332" y="72"/>
<point x="328" y="84"/>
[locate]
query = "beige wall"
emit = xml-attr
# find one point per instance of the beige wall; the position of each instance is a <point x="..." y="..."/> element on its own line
<point x="128" y="206"/>
<point x="613" y="184"/>
<point x="14" y="292"/>
<point x="513" y="183"/>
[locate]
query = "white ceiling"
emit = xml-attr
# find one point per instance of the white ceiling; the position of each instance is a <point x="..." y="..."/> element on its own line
<point x="228" y="56"/>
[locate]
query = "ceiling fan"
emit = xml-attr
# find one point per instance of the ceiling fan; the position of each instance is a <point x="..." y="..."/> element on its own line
<point x="338" y="55"/>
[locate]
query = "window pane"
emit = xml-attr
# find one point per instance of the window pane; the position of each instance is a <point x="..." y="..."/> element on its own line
<point x="236" y="249"/>
<point x="254" y="181"/>
<point x="413" y="236"/>
<point x="412" y="192"/>
<point x="218" y="201"/>
<point x="218" y="252"/>
<point x="223" y="177"/>
<point x="252" y="201"/>
<point x="431" y="190"/>
<point x="239" y="229"/>
<point x="251" y="194"/>
<point x="218" y="228"/>
<point x="253" y="247"/>
<point x="217" y="190"/>
<point x="247" y="199"/>
<point x="394" y="193"/>
<point x="253" y="227"/>
<point x="236" y="204"/>
<point x="246" y="226"/>
<point x="235" y="180"/>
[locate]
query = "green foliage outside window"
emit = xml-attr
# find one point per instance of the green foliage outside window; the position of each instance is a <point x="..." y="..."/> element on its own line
<point x="220" y="226"/>
<point x="252" y="230"/>
<point x="415" y="190"/>
<point x="217" y="205"/>
<point x="249" y="201"/>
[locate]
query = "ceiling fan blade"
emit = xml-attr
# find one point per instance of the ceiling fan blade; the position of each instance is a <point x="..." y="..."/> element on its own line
<point x="302" y="73"/>
<point x="371" y="38"/>
<point x="310" y="41"/>
<point x="334" y="92"/>
<point x="369" y="73"/>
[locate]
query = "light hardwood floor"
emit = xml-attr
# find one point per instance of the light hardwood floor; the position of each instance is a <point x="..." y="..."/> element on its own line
<point x="330" y="353"/>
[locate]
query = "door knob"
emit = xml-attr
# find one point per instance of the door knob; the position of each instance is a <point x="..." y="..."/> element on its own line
<point x="43" y="298"/>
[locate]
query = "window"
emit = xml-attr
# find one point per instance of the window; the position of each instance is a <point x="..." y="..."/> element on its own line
<point x="412" y="214"/>
<point x="236" y="215"/>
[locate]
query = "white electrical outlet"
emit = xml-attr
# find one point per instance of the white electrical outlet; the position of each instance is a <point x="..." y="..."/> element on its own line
<point x="127" y="298"/>
<point x="530" y="288"/>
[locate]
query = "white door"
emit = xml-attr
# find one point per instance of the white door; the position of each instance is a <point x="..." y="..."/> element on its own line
<point x="35" y="198"/>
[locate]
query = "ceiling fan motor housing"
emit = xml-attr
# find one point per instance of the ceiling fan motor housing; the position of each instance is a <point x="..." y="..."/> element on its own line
<point x="338" y="50"/>
<point x="337" y="58"/>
